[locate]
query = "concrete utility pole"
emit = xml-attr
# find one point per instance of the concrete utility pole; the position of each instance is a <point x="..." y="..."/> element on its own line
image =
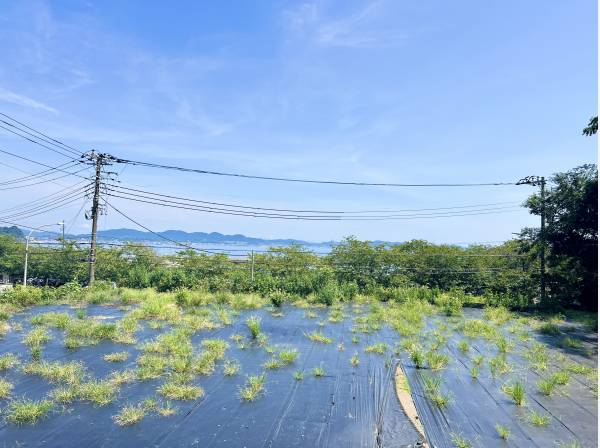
<point x="62" y="224"/>
<point x="252" y="267"/>
<point x="98" y="159"/>
<point x="541" y="182"/>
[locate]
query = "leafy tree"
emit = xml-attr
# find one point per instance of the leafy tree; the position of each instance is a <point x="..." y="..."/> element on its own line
<point x="592" y="127"/>
<point x="571" y="236"/>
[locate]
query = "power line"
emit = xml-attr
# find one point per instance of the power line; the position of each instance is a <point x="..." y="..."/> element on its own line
<point x="65" y="146"/>
<point x="151" y="231"/>
<point x="42" y="173"/>
<point x="311" y="181"/>
<point x="69" y="173"/>
<point x="183" y="206"/>
<point x="36" y="162"/>
<point x="36" y="142"/>
<point x="344" y="212"/>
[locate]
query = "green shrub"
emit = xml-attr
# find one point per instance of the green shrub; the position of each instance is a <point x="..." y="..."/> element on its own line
<point x="328" y="294"/>
<point x="450" y="303"/>
<point x="277" y="298"/>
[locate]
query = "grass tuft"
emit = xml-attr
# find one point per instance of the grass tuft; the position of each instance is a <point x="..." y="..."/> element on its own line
<point x="516" y="392"/>
<point x="538" y="419"/>
<point x="130" y="415"/>
<point x="5" y="388"/>
<point x="503" y="432"/>
<point x="231" y="367"/>
<point x="253" y="388"/>
<point x="116" y="357"/>
<point x="317" y="336"/>
<point x="380" y="348"/>
<point x="179" y="391"/>
<point x="253" y="323"/>
<point x="8" y="360"/>
<point x="319" y="371"/>
<point x="27" y="411"/>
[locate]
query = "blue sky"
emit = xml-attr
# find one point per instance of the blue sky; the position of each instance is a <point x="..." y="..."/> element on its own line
<point x="382" y="91"/>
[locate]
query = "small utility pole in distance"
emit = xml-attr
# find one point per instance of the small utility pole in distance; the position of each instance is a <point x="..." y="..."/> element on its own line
<point x="541" y="181"/>
<point x="252" y="267"/>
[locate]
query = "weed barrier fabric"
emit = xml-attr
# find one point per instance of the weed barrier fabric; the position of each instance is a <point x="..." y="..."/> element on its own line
<point x="350" y="406"/>
<point x="477" y="405"/>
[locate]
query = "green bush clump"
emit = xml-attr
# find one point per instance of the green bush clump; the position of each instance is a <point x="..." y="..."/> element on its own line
<point x="450" y="303"/>
<point x="328" y="294"/>
<point x="277" y="298"/>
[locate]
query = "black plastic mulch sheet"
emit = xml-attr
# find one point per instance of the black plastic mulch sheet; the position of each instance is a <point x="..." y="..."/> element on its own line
<point x="478" y="405"/>
<point x="349" y="407"/>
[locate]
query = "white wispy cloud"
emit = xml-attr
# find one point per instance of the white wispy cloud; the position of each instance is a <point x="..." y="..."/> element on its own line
<point x="362" y="28"/>
<point x="22" y="100"/>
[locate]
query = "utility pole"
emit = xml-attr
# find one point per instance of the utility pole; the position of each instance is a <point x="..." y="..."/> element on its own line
<point x="98" y="159"/>
<point x="252" y="266"/>
<point x="62" y="224"/>
<point x="541" y="182"/>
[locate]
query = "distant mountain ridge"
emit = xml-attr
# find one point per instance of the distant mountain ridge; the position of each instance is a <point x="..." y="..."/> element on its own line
<point x="192" y="237"/>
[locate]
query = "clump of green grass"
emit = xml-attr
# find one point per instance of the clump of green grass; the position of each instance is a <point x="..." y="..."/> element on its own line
<point x="569" y="342"/>
<point x="459" y="441"/>
<point x="561" y="378"/>
<point x="65" y="394"/>
<point x="272" y="364"/>
<point x="474" y="371"/>
<point x="253" y="388"/>
<point x="5" y="388"/>
<point x="319" y="371"/>
<point x="355" y="339"/>
<point x="549" y="328"/>
<point x="538" y="419"/>
<point x="37" y="337"/>
<point x="8" y="360"/>
<point x="100" y="393"/>
<point x="180" y="391"/>
<point x="298" y="375"/>
<point x="478" y="328"/>
<point x="538" y="356"/>
<point x="56" y="372"/>
<point x="498" y="315"/>
<point x="516" y="391"/>
<point x="237" y="338"/>
<point x="253" y="323"/>
<point x="379" y="348"/>
<point x="439" y="399"/>
<point x="463" y="346"/>
<point x="503" y="345"/>
<point x="231" y="367"/>
<point x="499" y="366"/>
<point x="436" y="361"/>
<point x="418" y="358"/>
<point x="547" y="386"/>
<point x="503" y="431"/>
<point x="27" y="411"/>
<point x="288" y="356"/>
<point x="478" y="360"/>
<point x="355" y="360"/>
<point x="121" y="377"/>
<point x="116" y="357"/>
<point x="580" y="369"/>
<point x="431" y="384"/>
<point x="317" y="336"/>
<point x="130" y="415"/>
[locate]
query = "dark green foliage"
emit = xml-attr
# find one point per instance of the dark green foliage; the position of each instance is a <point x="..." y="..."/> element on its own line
<point x="571" y="237"/>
